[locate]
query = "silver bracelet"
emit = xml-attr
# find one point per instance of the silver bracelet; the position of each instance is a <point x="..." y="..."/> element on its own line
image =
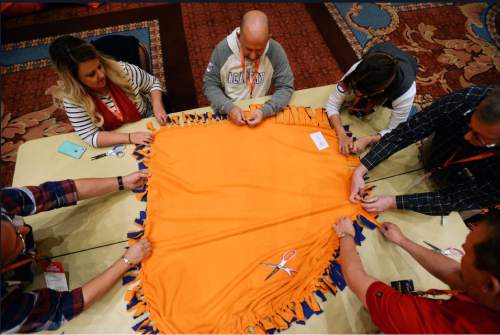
<point x="344" y="234"/>
<point x="127" y="261"/>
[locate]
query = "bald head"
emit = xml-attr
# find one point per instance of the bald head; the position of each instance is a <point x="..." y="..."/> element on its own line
<point x="255" y="24"/>
<point x="254" y="33"/>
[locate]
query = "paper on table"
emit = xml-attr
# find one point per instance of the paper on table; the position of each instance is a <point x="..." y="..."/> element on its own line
<point x="319" y="140"/>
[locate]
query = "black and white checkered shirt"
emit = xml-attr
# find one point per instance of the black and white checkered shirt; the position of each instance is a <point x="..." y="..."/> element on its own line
<point x="470" y="185"/>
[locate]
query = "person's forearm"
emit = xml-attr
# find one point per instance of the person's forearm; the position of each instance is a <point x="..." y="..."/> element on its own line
<point x="337" y="125"/>
<point x="280" y="98"/>
<point x="352" y="268"/>
<point x="349" y="256"/>
<point x="361" y="170"/>
<point x="213" y="90"/>
<point x="156" y="100"/>
<point x="405" y="134"/>
<point x="375" y="138"/>
<point x="440" y="266"/>
<point x="94" y="187"/>
<point x="108" y="138"/>
<point x="479" y="194"/>
<point x="94" y="289"/>
<point x="218" y="100"/>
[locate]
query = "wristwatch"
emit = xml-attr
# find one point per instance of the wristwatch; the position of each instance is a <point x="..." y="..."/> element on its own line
<point x="120" y="183"/>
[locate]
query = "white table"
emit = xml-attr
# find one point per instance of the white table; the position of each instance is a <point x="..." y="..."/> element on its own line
<point x="94" y="223"/>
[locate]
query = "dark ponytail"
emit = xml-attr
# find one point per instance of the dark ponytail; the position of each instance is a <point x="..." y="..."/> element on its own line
<point x="373" y="76"/>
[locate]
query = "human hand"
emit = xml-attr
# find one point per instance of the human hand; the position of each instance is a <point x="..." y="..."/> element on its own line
<point x="345" y="144"/>
<point x="138" y="251"/>
<point x="141" y="137"/>
<point x="392" y="233"/>
<point x="379" y="203"/>
<point x="160" y="115"/>
<point x="358" y="183"/>
<point x="360" y="144"/>
<point x="343" y="227"/>
<point x="236" y="116"/>
<point x="255" y="118"/>
<point x="136" y="179"/>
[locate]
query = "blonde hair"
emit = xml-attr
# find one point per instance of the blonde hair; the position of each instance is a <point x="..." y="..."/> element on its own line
<point x="66" y="56"/>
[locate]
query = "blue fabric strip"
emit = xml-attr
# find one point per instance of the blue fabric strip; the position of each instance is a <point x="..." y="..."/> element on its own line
<point x="337" y="276"/>
<point x="359" y="237"/>
<point x="367" y="222"/>
<point x="321" y="295"/>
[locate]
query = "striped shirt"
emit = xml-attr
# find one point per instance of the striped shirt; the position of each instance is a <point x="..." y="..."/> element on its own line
<point x="142" y="84"/>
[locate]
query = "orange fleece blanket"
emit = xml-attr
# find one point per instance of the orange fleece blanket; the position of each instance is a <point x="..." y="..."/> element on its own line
<point x="225" y="206"/>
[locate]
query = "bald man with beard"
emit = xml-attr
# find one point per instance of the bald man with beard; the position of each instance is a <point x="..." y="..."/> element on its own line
<point x="243" y="66"/>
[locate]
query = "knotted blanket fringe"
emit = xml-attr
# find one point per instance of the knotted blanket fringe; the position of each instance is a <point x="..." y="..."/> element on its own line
<point x="296" y="311"/>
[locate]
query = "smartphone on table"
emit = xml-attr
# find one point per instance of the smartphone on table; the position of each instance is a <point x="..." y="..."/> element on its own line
<point x="71" y="149"/>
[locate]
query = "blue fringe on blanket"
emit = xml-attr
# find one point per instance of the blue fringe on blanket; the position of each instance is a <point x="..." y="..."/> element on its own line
<point x="358" y="237"/>
<point x="334" y="271"/>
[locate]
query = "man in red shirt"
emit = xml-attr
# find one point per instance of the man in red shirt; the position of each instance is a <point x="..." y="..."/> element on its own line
<point x="474" y="306"/>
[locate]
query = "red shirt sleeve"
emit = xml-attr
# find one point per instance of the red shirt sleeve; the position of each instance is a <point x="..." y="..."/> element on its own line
<point x="394" y="312"/>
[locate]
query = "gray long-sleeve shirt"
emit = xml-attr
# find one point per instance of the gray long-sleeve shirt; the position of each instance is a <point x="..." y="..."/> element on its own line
<point x="224" y="81"/>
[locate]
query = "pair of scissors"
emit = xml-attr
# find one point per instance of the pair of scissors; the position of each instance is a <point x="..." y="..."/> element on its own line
<point x="447" y="251"/>
<point x="367" y="191"/>
<point x="281" y="266"/>
<point x="117" y="151"/>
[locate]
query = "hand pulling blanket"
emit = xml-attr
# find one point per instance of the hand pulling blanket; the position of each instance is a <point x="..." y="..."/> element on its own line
<point x="240" y="220"/>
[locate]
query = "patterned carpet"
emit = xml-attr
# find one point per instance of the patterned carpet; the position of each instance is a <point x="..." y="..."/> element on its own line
<point x="196" y="30"/>
<point x="25" y="64"/>
<point x="206" y="24"/>
<point x="58" y="12"/>
<point x="31" y="116"/>
<point x="321" y="40"/>
<point x="456" y="45"/>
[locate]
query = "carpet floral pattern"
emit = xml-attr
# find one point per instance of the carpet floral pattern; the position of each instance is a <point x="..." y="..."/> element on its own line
<point x="30" y="116"/>
<point x="206" y="24"/>
<point x="452" y="53"/>
<point x="29" y="113"/>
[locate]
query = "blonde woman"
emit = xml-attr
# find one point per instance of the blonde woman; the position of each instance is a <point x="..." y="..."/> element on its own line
<point x="100" y="94"/>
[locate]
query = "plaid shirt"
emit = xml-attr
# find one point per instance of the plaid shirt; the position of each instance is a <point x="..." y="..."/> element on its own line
<point x="43" y="309"/>
<point x="470" y="185"/>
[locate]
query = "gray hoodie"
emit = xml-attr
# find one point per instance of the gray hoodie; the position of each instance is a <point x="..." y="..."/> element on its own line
<point x="224" y="81"/>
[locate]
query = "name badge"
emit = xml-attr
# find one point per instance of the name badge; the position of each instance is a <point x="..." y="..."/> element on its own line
<point x="55" y="277"/>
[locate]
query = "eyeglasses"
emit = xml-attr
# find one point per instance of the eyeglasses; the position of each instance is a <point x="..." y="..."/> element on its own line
<point x="481" y="140"/>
